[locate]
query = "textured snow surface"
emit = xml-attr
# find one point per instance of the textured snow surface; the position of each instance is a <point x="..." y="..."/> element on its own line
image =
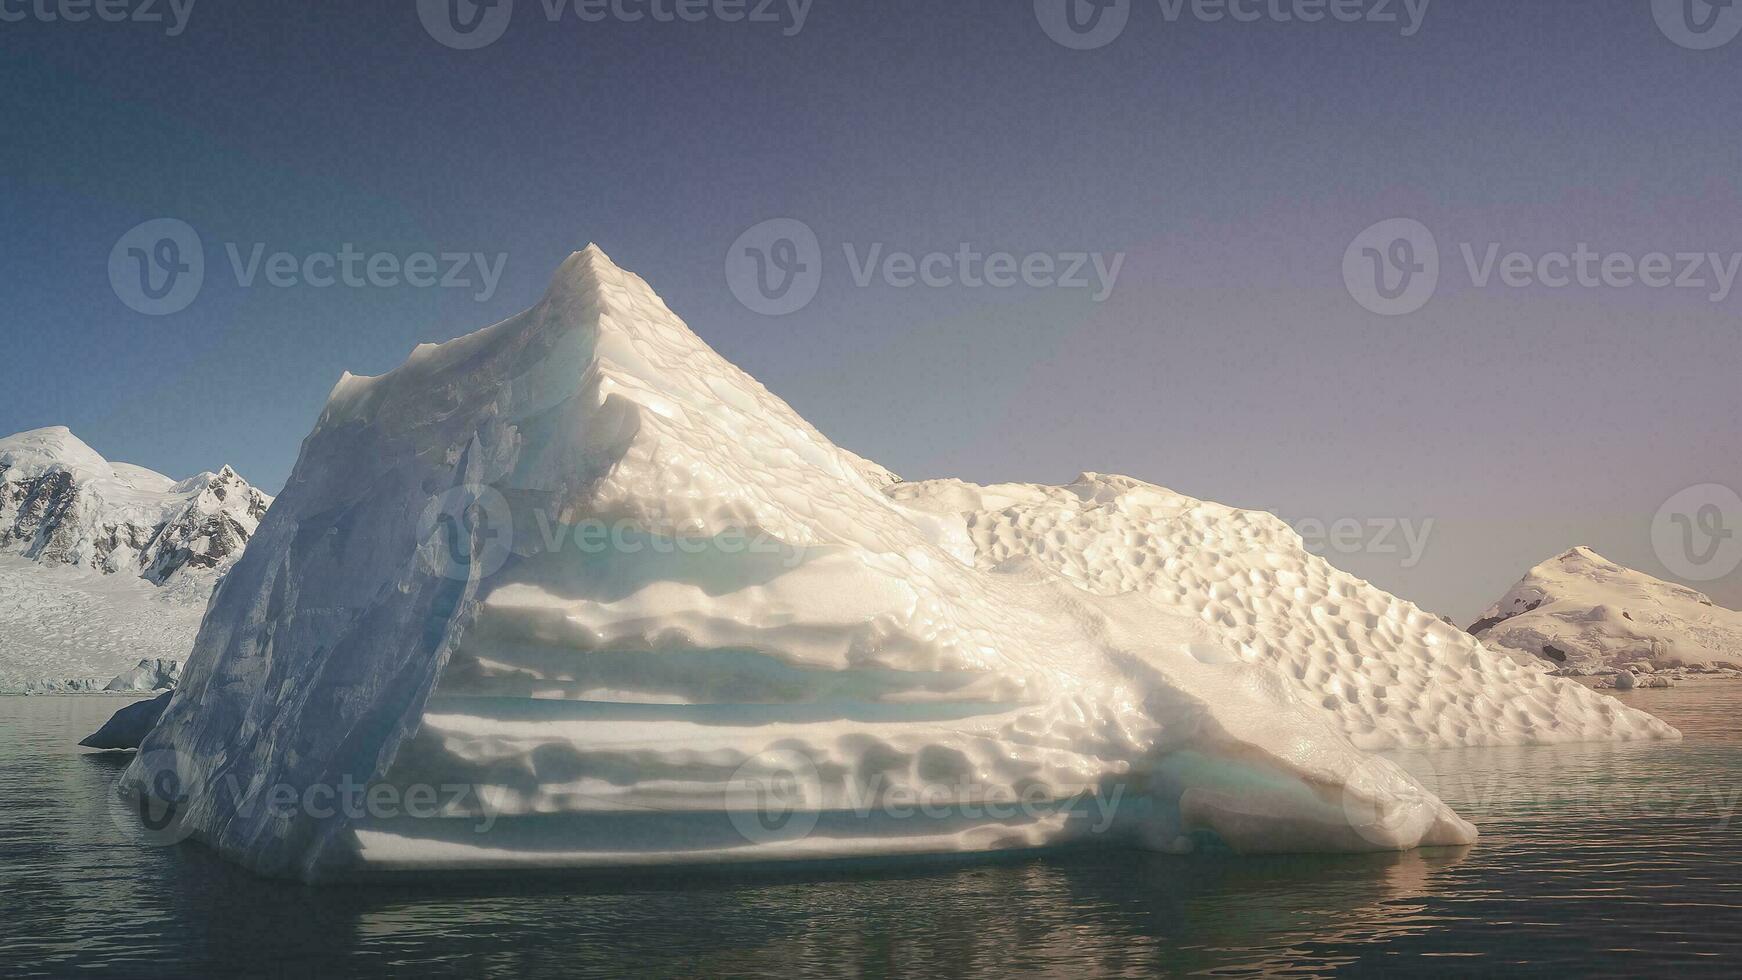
<point x="1582" y="613"/>
<point x="61" y="625"/>
<point x="1389" y="673"/>
<point x="762" y="614"/>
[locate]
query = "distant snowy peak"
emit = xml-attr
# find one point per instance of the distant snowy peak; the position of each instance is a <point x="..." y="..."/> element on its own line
<point x="1582" y="613"/>
<point x="61" y="501"/>
<point x="220" y="514"/>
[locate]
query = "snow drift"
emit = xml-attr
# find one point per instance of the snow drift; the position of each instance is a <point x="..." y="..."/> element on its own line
<point x="1581" y="613"/>
<point x="641" y="612"/>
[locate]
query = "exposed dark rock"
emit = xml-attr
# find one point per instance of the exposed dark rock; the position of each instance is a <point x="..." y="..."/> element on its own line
<point x="129" y="726"/>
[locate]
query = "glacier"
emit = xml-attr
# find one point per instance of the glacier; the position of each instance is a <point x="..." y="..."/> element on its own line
<point x="595" y="597"/>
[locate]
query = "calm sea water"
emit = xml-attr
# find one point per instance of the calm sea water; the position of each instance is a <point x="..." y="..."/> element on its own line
<point x="1593" y="859"/>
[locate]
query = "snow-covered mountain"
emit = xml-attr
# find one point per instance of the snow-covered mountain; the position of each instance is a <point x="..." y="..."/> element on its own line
<point x="1581" y="613"/>
<point x="104" y="564"/>
<point x="62" y="502"/>
<point x="581" y="566"/>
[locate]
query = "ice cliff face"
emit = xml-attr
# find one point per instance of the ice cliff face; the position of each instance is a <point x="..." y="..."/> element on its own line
<point x="62" y="502"/>
<point x="642" y="612"/>
<point x="1581" y="613"/>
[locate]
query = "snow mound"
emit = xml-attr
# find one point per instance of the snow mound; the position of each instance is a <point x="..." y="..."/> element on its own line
<point x="638" y="611"/>
<point x="149" y="675"/>
<point x="1580" y="613"/>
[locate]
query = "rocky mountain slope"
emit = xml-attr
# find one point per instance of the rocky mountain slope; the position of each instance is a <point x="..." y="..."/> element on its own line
<point x="105" y="564"/>
<point x="60" y="501"/>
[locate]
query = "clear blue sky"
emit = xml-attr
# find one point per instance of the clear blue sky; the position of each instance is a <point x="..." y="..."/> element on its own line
<point x="1232" y="163"/>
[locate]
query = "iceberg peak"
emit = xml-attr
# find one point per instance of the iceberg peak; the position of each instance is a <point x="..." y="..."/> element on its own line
<point x="581" y="274"/>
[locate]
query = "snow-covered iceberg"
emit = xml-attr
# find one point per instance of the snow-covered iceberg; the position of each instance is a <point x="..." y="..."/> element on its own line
<point x="1580" y="613"/>
<point x="597" y="597"/>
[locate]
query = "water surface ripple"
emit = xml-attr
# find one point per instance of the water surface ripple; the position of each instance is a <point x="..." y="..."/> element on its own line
<point x="1599" y="858"/>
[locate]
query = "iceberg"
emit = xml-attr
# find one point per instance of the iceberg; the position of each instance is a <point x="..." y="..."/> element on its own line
<point x="573" y="591"/>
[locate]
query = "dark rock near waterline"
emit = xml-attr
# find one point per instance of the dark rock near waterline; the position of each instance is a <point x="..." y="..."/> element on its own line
<point x="129" y="726"/>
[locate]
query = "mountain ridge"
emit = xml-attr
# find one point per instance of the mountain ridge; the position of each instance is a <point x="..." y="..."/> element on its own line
<point x="62" y="501"/>
<point x="1580" y="613"/>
